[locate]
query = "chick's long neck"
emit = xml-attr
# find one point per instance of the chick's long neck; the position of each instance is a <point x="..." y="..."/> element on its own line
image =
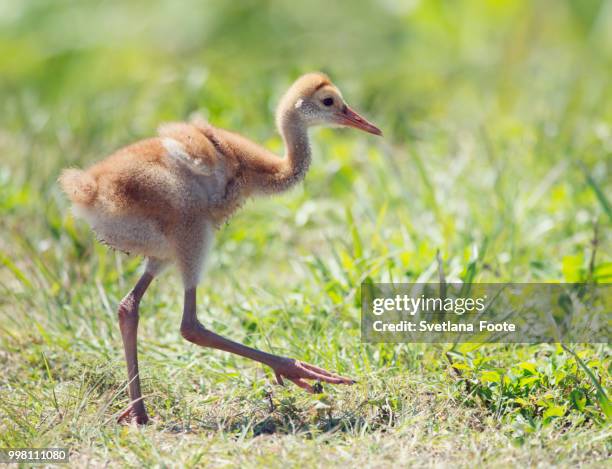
<point x="294" y="131"/>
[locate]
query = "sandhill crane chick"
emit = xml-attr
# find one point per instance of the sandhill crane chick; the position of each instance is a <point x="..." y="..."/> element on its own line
<point x="163" y="197"/>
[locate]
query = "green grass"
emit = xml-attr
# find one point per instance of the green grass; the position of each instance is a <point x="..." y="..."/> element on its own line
<point x="497" y="150"/>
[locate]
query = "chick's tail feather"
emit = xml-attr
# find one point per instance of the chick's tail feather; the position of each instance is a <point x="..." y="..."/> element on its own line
<point x="79" y="186"/>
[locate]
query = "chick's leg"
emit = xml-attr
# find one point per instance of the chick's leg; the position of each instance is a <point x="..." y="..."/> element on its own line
<point x="294" y="370"/>
<point x="128" y="323"/>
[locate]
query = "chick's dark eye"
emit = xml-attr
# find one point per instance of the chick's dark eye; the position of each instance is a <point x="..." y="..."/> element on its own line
<point x="328" y="101"/>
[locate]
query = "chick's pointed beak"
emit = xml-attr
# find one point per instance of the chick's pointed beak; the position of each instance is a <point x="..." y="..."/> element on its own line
<point x="350" y="118"/>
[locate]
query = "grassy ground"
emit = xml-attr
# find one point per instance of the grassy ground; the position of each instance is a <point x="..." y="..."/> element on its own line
<point x="498" y="122"/>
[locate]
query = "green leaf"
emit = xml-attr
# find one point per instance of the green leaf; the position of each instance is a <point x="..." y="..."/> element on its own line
<point x="554" y="411"/>
<point x="528" y="380"/>
<point x="461" y="366"/>
<point x="602" y="397"/>
<point x="603" y="271"/>
<point x="521" y="401"/>
<point x="572" y="268"/>
<point x="490" y="377"/>
<point x="530" y="367"/>
<point x="578" y="399"/>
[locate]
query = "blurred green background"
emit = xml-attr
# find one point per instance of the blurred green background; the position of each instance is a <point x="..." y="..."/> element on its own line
<point x="497" y="154"/>
<point x="496" y="113"/>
